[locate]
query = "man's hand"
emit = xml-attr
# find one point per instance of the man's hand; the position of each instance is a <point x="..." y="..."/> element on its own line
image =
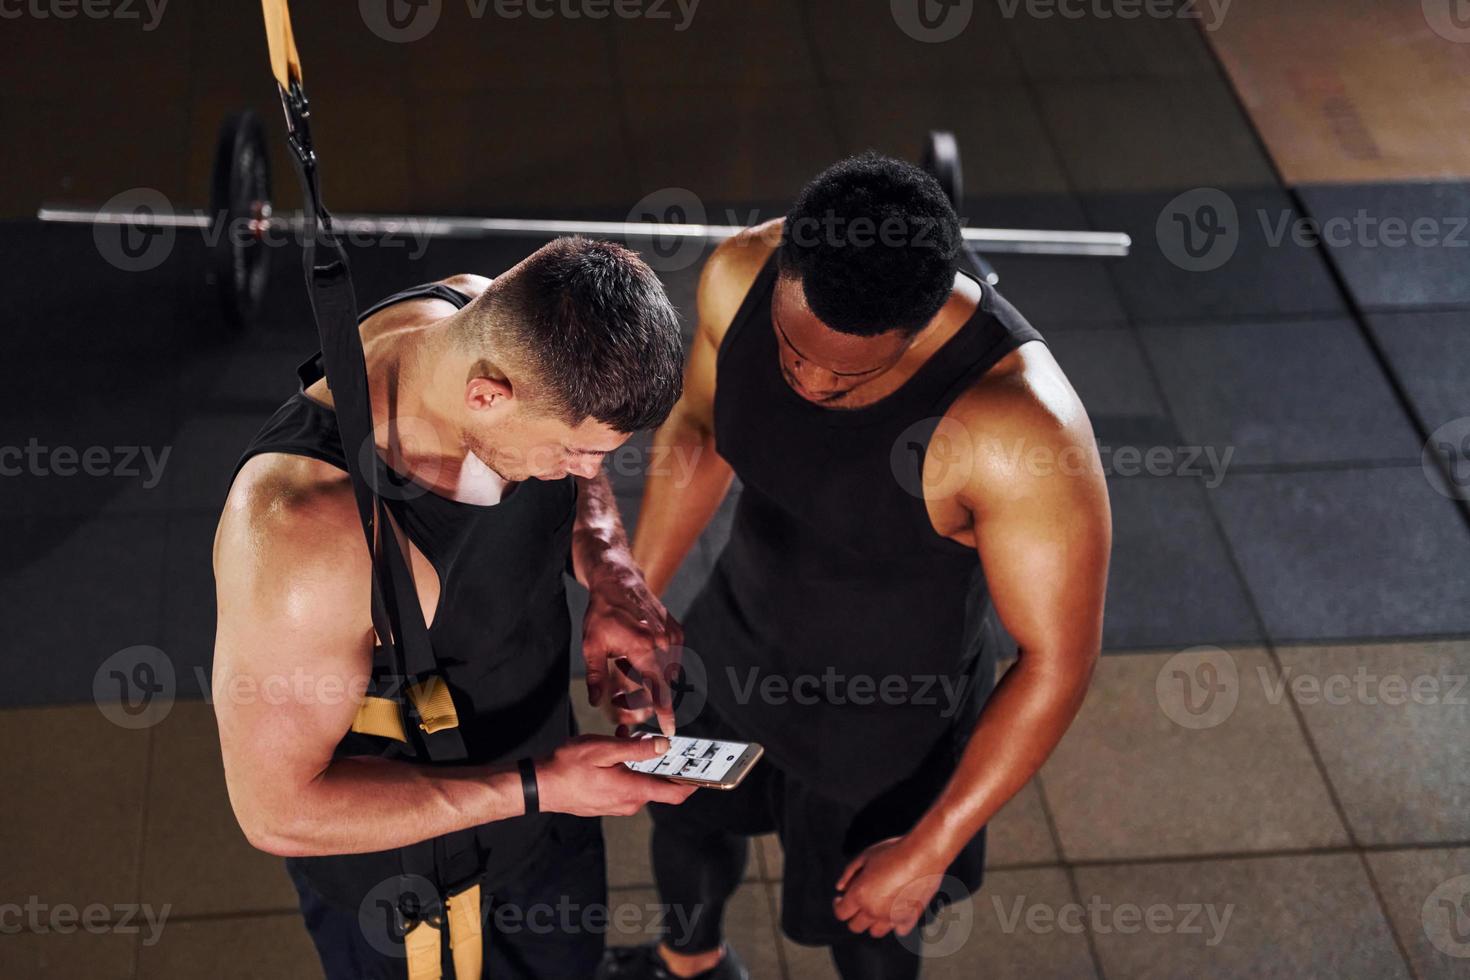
<point x="586" y="777"/>
<point x="888" y="886"/>
<point x="627" y="624"/>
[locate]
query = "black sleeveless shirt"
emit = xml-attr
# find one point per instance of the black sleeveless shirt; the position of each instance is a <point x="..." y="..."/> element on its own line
<point x="501" y="631"/>
<point x="834" y="579"/>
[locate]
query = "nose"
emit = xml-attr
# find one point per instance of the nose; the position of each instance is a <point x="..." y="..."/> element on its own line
<point x="811" y="379"/>
<point x="587" y="468"/>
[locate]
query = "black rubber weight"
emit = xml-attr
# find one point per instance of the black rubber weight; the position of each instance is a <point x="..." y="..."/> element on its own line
<point x="239" y="195"/>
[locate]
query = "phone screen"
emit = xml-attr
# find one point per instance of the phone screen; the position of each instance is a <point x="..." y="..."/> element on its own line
<point x="704" y="759"/>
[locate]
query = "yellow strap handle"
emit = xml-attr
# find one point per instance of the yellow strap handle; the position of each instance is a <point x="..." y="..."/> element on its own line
<point x="466" y="947"/>
<point x="285" y="62"/>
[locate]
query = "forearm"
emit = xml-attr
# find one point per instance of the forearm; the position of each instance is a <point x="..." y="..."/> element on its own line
<point x="599" y="544"/>
<point x="678" y="499"/>
<point x="361" y="805"/>
<point x="1026" y="717"/>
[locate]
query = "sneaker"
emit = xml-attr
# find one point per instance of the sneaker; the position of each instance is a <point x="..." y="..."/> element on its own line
<point x="645" y="963"/>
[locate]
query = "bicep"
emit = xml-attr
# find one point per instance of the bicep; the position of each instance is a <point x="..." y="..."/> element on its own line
<point x="292" y="659"/>
<point x="1044" y="541"/>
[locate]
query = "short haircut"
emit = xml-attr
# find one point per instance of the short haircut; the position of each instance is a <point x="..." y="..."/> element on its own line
<point x="592" y="322"/>
<point x="873" y="242"/>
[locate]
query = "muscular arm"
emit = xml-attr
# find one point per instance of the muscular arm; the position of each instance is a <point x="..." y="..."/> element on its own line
<point x="292" y="659"/>
<point x="293" y="653"/>
<point x="1039" y="514"/>
<point x="1043" y="532"/>
<point x="679" y="500"/>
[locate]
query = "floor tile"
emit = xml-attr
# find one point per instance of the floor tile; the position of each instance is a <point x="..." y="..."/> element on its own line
<point x="72" y="835"/>
<point x="195" y="857"/>
<point x="1141" y="134"/>
<point x="568" y="147"/>
<point x="1423" y="889"/>
<point x="726" y="156"/>
<point x="248" y="947"/>
<point x="1110" y="375"/>
<point x="1240" y="268"/>
<point x="1131" y="781"/>
<point x="637" y="916"/>
<point x="1398" y="245"/>
<point x="867" y="42"/>
<point x="1294" y="392"/>
<point x="1170" y="582"/>
<point x="1392" y="726"/>
<point x="1055" y="293"/>
<point x="74" y="595"/>
<point x="206" y="450"/>
<point x="759" y="42"/>
<point x="1349" y="554"/>
<point x="1428" y="352"/>
<point x="1020" y="832"/>
<point x="67" y="956"/>
<point x="189" y="602"/>
<point x="1003" y="146"/>
<point x="1311" y="916"/>
<point x="1086" y="44"/>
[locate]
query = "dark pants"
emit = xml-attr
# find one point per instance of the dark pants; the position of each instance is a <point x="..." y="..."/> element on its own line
<point x="548" y="924"/>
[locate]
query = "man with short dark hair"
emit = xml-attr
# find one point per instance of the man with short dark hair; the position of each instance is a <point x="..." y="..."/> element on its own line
<point x="494" y="403"/>
<point x="910" y="456"/>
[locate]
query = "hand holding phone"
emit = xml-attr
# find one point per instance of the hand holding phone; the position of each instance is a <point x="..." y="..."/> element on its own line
<point x="707" y="762"/>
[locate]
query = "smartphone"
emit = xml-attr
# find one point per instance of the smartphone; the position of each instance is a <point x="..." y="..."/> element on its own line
<point x="706" y="762"/>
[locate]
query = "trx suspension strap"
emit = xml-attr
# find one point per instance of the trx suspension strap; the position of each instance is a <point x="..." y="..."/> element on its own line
<point x="415" y="707"/>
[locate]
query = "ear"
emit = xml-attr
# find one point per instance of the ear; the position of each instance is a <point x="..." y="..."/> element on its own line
<point x="481" y="393"/>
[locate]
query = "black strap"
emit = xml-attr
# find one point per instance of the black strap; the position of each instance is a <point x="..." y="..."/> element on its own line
<point x="398" y="619"/>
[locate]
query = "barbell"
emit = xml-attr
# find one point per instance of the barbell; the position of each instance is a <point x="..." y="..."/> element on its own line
<point x="240" y="218"/>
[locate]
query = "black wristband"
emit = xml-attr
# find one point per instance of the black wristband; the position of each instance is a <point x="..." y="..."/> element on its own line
<point x="528" y="786"/>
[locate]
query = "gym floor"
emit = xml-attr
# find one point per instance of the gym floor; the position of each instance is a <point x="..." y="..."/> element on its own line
<point x="1287" y="424"/>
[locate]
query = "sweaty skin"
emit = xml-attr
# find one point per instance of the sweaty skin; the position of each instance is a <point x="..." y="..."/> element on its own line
<point x="293" y="648"/>
<point x="1041" y="532"/>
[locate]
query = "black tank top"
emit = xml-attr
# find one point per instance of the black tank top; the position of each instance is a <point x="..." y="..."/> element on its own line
<point x="834" y="572"/>
<point x="501" y="631"/>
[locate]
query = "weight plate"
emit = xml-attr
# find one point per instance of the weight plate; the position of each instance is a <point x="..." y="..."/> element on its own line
<point x="240" y="197"/>
<point x="942" y="159"/>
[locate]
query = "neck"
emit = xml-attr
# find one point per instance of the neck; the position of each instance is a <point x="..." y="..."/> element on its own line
<point x="417" y="380"/>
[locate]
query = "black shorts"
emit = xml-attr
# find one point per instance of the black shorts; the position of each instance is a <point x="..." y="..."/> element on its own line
<point x="818" y="835"/>
<point x="549" y="922"/>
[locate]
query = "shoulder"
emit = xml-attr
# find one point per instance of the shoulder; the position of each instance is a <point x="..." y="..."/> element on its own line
<point x="1026" y="431"/>
<point x="730" y="271"/>
<point x="289" y="540"/>
<point x="468" y="283"/>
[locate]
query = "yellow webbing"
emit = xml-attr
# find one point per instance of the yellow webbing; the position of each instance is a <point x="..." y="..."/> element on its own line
<point x="422" y="946"/>
<point x="285" y="62"/>
<point x="465" y="944"/>
<point x="434" y="704"/>
<point x="379" y="716"/>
